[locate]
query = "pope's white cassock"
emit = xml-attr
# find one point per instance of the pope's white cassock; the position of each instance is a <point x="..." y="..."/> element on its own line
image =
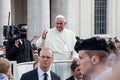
<point x="62" y="44"/>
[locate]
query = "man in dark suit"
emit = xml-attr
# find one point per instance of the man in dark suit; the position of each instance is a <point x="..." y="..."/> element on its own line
<point x="19" y="49"/>
<point x="76" y="74"/>
<point x="43" y="71"/>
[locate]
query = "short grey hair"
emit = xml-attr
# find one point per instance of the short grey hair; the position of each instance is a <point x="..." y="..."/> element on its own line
<point x="46" y="48"/>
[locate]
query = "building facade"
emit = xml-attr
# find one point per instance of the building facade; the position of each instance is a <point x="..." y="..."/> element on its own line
<point x="86" y="18"/>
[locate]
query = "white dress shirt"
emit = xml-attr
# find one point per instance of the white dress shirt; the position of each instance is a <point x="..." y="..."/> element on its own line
<point x="41" y="74"/>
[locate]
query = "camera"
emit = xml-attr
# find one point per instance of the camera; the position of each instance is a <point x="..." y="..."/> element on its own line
<point x="11" y="32"/>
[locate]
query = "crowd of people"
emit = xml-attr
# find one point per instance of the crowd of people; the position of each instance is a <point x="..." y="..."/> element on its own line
<point x="92" y="59"/>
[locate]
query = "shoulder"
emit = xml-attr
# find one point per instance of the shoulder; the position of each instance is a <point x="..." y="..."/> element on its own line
<point x="85" y="77"/>
<point x="68" y="31"/>
<point x="29" y="74"/>
<point x="70" y="78"/>
<point x="54" y="75"/>
<point x="51" y="30"/>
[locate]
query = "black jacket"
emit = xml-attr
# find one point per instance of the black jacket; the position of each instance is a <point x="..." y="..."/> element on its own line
<point x="22" y="53"/>
<point x="33" y="75"/>
<point x="84" y="78"/>
<point x="70" y="78"/>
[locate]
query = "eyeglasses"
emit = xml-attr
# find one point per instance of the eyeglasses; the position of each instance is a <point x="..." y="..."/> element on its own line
<point x="46" y="57"/>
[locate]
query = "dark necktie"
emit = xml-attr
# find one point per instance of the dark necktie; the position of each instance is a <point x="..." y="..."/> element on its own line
<point x="45" y="76"/>
<point x="23" y="40"/>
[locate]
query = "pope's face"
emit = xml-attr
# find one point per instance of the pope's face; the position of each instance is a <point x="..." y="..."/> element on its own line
<point x="60" y="24"/>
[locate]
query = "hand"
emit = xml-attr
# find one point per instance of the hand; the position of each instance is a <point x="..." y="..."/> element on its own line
<point x="33" y="38"/>
<point x="44" y="34"/>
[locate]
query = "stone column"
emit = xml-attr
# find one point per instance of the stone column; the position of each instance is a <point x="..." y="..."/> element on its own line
<point x="74" y="16"/>
<point x="4" y="11"/>
<point x="114" y="18"/>
<point x="58" y="7"/>
<point x="118" y="19"/>
<point x="86" y="18"/>
<point x="38" y="16"/>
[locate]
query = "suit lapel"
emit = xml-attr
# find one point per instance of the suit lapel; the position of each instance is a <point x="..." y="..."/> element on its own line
<point x="35" y="75"/>
<point x="52" y="76"/>
<point x="72" y="78"/>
